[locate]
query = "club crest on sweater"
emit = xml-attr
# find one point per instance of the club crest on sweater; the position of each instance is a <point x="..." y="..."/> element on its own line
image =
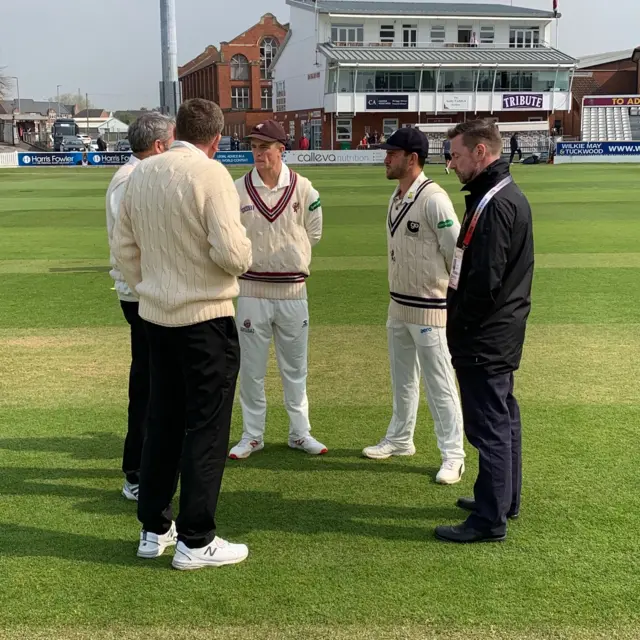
<point x="413" y="227"/>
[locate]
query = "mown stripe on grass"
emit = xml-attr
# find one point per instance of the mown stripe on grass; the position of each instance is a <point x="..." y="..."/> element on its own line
<point x="348" y="366"/>
<point x="345" y="263"/>
<point x="399" y="631"/>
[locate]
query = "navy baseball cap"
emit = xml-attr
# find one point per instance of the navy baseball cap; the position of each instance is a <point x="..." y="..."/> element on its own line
<point x="408" y="139"/>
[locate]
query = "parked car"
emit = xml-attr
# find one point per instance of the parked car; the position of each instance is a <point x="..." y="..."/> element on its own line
<point x="72" y="143"/>
<point x="93" y="145"/>
<point x="85" y="138"/>
<point x="123" y="145"/>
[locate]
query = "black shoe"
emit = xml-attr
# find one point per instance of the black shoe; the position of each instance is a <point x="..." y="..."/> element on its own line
<point x="469" y="504"/>
<point x="462" y="533"/>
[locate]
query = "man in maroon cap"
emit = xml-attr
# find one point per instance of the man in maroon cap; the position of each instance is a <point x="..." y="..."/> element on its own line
<point x="282" y="214"/>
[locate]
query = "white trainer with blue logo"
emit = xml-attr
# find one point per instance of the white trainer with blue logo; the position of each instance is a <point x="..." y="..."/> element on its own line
<point x="153" y="545"/>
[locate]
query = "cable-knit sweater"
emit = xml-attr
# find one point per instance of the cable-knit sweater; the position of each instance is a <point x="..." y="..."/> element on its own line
<point x="283" y="224"/>
<point x="179" y="241"/>
<point x="422" y="230"/>
<point x="115" y="193"/>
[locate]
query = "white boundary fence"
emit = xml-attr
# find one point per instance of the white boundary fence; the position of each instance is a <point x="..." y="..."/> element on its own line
<point x="9" y="159"/>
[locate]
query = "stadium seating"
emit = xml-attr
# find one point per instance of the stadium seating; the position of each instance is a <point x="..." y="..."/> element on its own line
<point x="530" y="142"/>
<point x="600" y="124"/>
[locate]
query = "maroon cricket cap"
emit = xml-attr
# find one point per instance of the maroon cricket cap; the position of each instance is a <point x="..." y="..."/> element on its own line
<point x="269" y="131"/>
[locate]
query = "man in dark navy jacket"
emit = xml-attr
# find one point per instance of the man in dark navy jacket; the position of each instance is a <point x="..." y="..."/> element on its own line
<point x="488" y="301"/>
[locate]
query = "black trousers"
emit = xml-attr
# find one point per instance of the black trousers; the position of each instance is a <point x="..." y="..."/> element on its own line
<point x="138" y="393"/>
<point x="492" y="425"/>
<point x="513" y="155"/>
<point x="193" y="379"/>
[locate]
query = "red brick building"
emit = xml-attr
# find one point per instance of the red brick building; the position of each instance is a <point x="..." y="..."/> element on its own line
<point x="237" y="76"/>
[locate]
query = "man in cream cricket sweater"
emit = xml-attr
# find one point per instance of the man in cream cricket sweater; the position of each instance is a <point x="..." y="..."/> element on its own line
<point x="283" y="217"/>
<point x="149" y="135"/>
<point x="422" y="229"/>
<point x="180" y="245"/>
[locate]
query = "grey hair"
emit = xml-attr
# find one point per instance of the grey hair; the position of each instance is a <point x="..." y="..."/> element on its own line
<point x="148" y="128"/>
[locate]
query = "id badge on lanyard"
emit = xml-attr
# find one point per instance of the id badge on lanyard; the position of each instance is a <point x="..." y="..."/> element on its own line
<point x="458" y="255"/>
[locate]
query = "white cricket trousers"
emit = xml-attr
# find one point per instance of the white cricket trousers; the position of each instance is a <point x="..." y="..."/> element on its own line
<point x="411" y="348"/>
<point x="288" y="322"/>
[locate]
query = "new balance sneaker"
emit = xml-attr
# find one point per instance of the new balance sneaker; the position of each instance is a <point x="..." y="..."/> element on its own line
<point x="308" y="444"/>
<point x="216" y="554"/>
<point x="385" y="449"/>
<point x="450" y="472"/>
<point x="153" y="545"/>
<point x="130" y="491"/>
<point x="245" y="448"/>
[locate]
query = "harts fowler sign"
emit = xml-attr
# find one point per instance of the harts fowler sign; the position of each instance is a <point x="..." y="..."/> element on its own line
<point x="522" y="101"/>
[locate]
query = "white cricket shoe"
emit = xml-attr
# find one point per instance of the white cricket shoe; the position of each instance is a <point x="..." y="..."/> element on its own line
<point x="216" y="554"/>
<point x="245" y="448"/>
<point x="450" y="472"/>
<point x="385" y="449"/>
<point x="130" y="491"/>
<point x="308" y="444"/>
<point x="153" y="545"/>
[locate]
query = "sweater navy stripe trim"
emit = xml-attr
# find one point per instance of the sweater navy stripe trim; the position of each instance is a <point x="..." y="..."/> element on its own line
<point x="418" y="298"/>
<point x="394" y="224"/>
<point x="298" y="277"/>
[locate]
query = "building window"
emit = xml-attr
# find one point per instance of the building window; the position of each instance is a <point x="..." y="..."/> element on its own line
<point x="292" y="129"/>
<point x="240" y="98"/>
<point x="438" y="33"/>
<point x="487" y="35"/>
<point x="267" y="99"/>
<point x="344" y="128"/>
<point x="281" y="97"/>
<point x="344" y="35"/>
<point x="387" y="34"/>
<point x="464" y="34"/>
<point x="453" y="80"/>
<point x="537" y="81"/>
<point x="239" y="67"/>
<point x="409" y="35"/>
<point x="389" y="126"/>
<point x="268" y="50"/>
<point x="485" y="81"/>
<point x="524" y="38"/>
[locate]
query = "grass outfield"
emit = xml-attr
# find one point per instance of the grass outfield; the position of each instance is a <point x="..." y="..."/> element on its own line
<point x="341" y="547"/>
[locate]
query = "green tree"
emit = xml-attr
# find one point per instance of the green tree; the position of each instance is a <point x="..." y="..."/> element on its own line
<point x="5" y="85"/>
<point x="73" y="98"/>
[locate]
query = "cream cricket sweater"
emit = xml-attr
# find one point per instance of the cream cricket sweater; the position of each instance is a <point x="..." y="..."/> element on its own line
<point x="283" y="224"/>
<point x="179" y="241"/>
<point x="422" y="230"/>
<point x="115" y="193"/>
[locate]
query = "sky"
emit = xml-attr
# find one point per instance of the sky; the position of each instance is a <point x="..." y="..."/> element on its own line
<point x="111" y="49"/>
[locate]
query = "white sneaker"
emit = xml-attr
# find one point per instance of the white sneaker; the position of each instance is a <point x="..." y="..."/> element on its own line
<point x="450" y="472"/>
<point x="130" y="491"/>
<point x="385" y="449"/>
<point x="308" y="444"/>
<point x="245" y="448"/>
<point x="216" y="554"/>
<point x="153" y="545"/>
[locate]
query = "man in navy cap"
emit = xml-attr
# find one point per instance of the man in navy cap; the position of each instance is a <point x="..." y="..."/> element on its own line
<point x="422" y="230"/>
